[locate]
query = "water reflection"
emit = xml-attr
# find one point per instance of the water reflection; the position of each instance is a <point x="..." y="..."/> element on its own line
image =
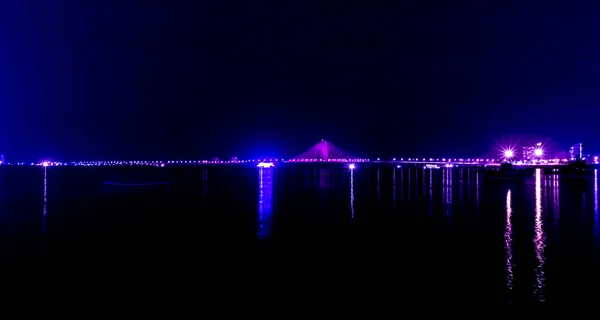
<point x="409" y="184"/>
<point x="556" y="199"/>
<point x="416" y="183"/>
<point x="44" y="212"/>
<point x="423" y="182"/>
<point x="461" y="184"/>
<point x="44" y="242"/>
<point x="401" y="184"/>
<point x="430" y="187"/>
<point x="352" y="194"/>
<point x="265" y="201"/>
<point x="583" y="203"/>
<point x="394" y="188"/>
<point x="378" y="195"/>
<point x="508" y="242"/>
<point x="448" y="190"/>
<point x="595" y="202"/>
<point x="204" y="183"/>
<point x="477" y="191"/>
<point x="324" y="178"/>
<point x="539" y="239"/>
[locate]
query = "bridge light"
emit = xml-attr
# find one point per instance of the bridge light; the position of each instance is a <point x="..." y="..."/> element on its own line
<point x="352" y="166"/>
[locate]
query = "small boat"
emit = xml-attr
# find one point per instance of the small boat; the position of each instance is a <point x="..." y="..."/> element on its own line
<point x="506" y="171"/>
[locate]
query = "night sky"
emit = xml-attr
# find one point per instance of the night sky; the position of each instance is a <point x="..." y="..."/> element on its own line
<point x="98" y="79"/>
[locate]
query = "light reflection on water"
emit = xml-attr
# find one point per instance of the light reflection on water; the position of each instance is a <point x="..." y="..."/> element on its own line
<point x="539" y="240"/>
<point x="508" y="243"/>
<point x="477" y="191"/>
<point x="265" y="201"/>
<point x="394" y="188"/>
<point x="44" y="244"/>
<point x="595" y="202"/>
<point x="402" y="185"/>
<point x="409" y="183"/>
<point x="378" y="191"/>
<point x="526" y="252"/>
<point x="556" y="199"/>
<point x="352" y="194"/>
<point x="430" y="192"/>
<point x="204" y="183"/>
<point x="45" y="200"/>
<point x="448" y="190"/>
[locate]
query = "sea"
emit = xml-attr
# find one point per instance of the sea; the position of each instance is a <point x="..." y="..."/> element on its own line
<point x="297" y="235"/>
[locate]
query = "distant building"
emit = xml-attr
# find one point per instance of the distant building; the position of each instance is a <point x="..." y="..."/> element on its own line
<point x="528" y="153"/>
<point x="577" y="152"/>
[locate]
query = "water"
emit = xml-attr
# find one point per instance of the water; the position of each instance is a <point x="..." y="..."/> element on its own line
<point x="300" y="235"/>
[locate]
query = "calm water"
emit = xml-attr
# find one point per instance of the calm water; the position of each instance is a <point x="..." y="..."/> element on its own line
<point x="300" y="235"/>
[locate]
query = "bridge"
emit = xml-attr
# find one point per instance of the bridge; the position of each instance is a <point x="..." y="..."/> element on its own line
<point x="322" y="152"/>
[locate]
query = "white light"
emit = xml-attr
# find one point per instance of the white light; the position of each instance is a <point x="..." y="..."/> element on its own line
<point x="538" y="152"/>
<point x="265" y="165"/>
<point x="352" y="166"/>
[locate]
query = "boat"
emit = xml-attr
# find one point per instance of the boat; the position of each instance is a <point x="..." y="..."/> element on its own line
<point x="505" y="171"/>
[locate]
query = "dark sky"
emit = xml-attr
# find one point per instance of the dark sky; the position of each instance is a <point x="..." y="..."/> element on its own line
<point x="100" y="79"/>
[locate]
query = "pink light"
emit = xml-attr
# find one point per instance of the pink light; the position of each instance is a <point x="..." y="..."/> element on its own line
<point x="538" y="152"/>
<point x="508" y="153"/>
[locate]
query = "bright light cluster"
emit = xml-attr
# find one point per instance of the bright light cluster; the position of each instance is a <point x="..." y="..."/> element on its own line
<point x="265" y="165"/>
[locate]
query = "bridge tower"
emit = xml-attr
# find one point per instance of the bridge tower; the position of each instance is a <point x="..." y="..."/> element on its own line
<point x="323" y="151"/>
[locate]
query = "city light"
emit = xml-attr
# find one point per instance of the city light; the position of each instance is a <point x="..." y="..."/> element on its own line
<point x="352" y="166"/>
<point x="45" y="164"/>
<point x="538" y="152"/>
<point x="508" y="154"/>
<point x="265" y="165"/>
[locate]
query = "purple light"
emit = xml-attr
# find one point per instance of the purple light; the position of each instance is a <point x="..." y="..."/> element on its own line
<point x="352" y="166"/>
<point x="508" y="153"/>
<point x="45" y="164"/>
<point x="538" y="152"/>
